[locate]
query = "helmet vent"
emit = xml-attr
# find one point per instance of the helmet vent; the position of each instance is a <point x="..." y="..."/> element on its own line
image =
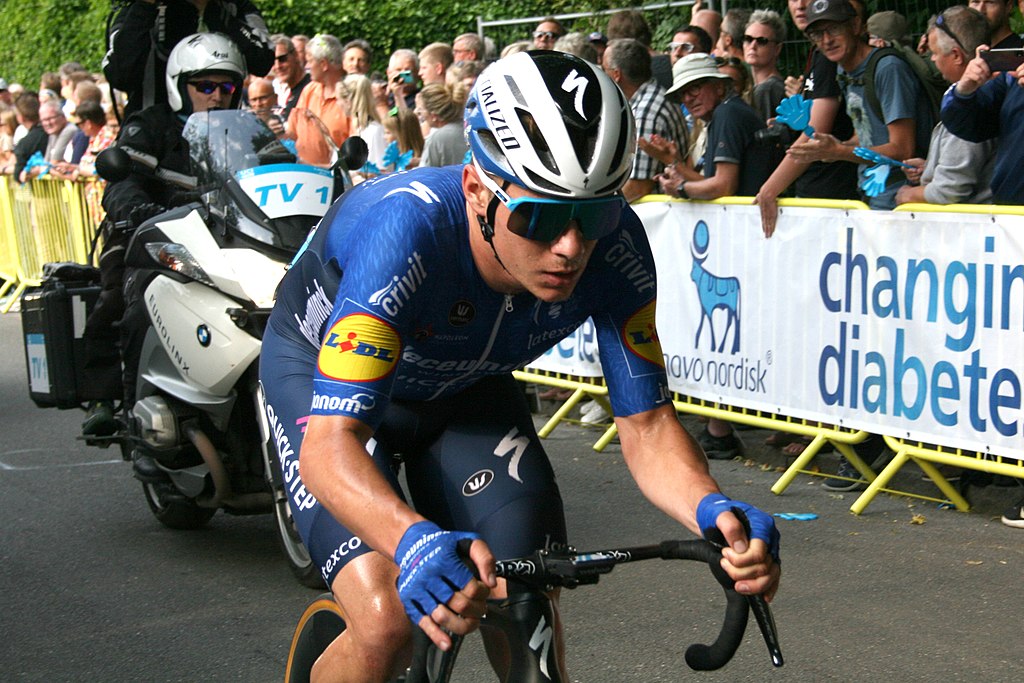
<point x="547" y="185"/>
<point x="492" y="150"/>
<point x="537" y="140"/>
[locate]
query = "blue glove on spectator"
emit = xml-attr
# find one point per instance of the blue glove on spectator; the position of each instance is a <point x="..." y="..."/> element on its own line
<point x="760" y="524"/>
<point x="430" y="570"/>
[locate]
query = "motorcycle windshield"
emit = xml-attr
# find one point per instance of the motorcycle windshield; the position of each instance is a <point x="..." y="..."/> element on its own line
<point x="252" y="183"/>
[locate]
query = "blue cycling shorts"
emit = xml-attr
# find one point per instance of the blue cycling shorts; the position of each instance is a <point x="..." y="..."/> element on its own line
<point x="472" y="461"/>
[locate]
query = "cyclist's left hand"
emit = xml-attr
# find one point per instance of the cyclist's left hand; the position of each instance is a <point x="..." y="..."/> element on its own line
<point x="753" y="563"/>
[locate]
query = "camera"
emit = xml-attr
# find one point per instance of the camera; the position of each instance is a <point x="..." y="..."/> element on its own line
<point x="775" y="134"/>
<point x="403" y="77"/>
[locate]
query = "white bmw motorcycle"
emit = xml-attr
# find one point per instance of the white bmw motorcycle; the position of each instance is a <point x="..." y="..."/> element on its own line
<point x="207" y="272"/>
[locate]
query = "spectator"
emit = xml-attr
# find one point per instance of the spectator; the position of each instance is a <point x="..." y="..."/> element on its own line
<point x="320" y="108"/>
<point x="983" y="108"/>
<point x="92" y="121"/>
<point x="886" y="29"/>
<point x="69" y="82"/>
<point x="434" y="61"/>
<point x="134" y="67"/>
<point x="628" y="62"/>
<point x="518" y="46"/>
<point x="575" y="43"/>
<point x="300" y="42"/>
<point x="600" y="43"/>
<point x="956" y="171"/>
<point x="86" y="91"/>
<point x="737" y="70"/>
<point x="60" y="133"/>
<point x="49" y="82"/>
<point x="6" y="98"/>
<point x="547" y="32"/>
<point x="439" y="107"/>
<point x="465" y="73"/>
<point x="363" y="118"/>
<point x="402" y="69"/>
<point x="357" y="57"/>
<point x="26" y="109"/>
<point x="900" y="130"/>
<point x="8" y="124"/>
<point x="998" y="14"/>
<point x="379" y="88"/>
<point x="730" y="39"/>
<point x="630" y="23"/>
<point x="689" y="39"/>
<point x="290" y="77"/>
<point x="710" y="21"/>
<point x="818" y="179"/>
<point x="404" y="137"/>
<point x="762" y="45"/>
<point x="263" y="101"/>
<point x="468" y="47"/>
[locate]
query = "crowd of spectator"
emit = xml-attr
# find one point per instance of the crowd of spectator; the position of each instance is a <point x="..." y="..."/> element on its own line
<point x="705" y="106"/>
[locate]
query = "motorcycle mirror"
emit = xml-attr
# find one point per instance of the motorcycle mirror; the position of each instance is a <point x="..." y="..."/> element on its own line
<point x="113" y="164"/>
<point x="354" y="153"/>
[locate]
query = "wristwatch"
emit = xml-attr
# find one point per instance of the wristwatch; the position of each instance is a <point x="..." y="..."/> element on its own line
<point x="681" y="190"/>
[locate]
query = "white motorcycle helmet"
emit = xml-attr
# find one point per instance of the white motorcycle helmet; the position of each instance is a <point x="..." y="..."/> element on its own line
<point x="202" y="53"/>
<point x="553" y="123"/>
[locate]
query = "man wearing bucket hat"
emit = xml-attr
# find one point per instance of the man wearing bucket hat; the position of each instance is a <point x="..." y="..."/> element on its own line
<point x="902" y="127"/>
<point x="733" y="163"/>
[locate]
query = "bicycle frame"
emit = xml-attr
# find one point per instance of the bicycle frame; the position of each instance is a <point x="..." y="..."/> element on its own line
<point x="526" y="616"/>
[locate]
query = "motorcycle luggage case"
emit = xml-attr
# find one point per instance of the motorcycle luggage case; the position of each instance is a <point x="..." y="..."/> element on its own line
<point x="53" y="321"/>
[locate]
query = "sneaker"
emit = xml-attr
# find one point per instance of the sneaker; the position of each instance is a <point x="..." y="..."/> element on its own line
<point x="99" y="419"/>
<point x="1015" y="516"/>
<point x="847" y="470"/>
<point x="719" y="447"/>
<point x="593" y="413"/>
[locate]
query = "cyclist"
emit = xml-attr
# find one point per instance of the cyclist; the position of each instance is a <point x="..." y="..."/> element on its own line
<point x="393" y="338"/>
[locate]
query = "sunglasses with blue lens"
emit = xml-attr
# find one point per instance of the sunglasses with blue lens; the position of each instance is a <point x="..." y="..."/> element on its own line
<point x="544" y="220"/>
<point x="208" y="87"/>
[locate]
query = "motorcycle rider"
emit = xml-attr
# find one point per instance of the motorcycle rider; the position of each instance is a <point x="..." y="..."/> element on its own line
<point x="205" y="71"/>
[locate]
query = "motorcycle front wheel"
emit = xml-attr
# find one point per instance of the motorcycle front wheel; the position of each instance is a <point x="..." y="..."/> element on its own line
<point x="173" y="510"/>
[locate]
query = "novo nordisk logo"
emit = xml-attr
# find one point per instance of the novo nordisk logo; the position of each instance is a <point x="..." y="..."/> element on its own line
<point x="714" y="292"/>
<point x="477" y="483"/>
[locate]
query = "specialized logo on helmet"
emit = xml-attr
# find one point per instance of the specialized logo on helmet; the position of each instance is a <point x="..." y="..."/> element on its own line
<point x="359" y="348"/>
<point x="574" y="83"/>
<point x="493" y="111"/>
<point x="641" y="336"/>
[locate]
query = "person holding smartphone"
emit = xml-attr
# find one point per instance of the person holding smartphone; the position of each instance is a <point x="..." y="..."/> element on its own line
<point x="403" y="66"/>
<point x="986" y="105"/>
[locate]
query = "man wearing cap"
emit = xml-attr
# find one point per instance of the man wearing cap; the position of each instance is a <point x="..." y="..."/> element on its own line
<point x="600" y="43"/>
<point x="901" y="131"/>
<point x="732" y="163"/>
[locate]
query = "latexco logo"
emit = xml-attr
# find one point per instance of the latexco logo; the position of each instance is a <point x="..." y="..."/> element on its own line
<point x="714" y="292"/>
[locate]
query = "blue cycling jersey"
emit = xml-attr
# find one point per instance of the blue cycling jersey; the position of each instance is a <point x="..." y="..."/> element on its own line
<point x="386" y="288"/>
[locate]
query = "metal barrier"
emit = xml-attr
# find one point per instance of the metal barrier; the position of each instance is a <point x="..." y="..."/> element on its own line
<point x="44" y="221"/>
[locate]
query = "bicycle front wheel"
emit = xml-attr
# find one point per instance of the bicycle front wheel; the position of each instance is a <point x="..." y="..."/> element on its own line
<point x="319" y="625"/>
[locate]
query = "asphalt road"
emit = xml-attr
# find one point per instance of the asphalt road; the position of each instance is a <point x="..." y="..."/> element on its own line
<point x="92" y="588"/>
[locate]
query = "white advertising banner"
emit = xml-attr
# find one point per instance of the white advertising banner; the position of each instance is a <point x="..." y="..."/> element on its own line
<point x="904" y="324"/>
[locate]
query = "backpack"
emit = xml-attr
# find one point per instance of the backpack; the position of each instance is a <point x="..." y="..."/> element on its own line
<point x="928" y="76"/>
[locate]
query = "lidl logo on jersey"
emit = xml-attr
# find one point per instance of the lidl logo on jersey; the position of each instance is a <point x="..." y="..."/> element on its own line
<point x="359" y="348"/>
<point x="641" y="336"/>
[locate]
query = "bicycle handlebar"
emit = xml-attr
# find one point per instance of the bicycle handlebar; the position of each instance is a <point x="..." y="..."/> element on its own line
<point x="547" y="569"/>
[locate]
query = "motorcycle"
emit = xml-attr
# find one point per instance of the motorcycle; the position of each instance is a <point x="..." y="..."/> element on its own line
<point x="197" y="434"/>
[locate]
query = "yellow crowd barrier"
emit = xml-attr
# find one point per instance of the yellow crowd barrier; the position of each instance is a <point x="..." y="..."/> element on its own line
<point x="43" y="221"/>
<point x="926" y="456"/>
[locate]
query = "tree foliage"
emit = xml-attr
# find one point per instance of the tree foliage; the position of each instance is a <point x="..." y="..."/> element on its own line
<point x="43" y="34"/>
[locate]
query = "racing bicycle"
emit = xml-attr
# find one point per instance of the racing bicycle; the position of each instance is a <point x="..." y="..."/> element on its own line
<point x="526" y="615"/>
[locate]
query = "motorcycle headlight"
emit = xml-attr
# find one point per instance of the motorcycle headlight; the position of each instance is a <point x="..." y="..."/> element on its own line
<point x="176" y="257"/>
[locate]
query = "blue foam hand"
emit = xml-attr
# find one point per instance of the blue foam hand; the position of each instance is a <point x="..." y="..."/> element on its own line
<point x="761" y="524"/>
<point x="392" y="157"/>
<point x="37" y="160"/>
<point x="795" y="112"/>
<point x="876" y="158"/>
<point x="430" y="569"/>
<point x="370" y="167"/>
<point x="874" y="180"/>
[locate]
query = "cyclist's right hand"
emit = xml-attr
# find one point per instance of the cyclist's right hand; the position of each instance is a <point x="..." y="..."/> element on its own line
<point x="437" y="589"/>
<point x="751" y="557"/>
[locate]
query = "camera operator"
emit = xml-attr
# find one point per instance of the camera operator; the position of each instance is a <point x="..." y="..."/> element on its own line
<point x="401" y="72"/>
<point x="204" y="72"/>
<point x="144" y="31"/>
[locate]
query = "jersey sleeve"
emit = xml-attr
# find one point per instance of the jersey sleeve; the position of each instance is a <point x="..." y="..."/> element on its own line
<point x="631" y="355"/>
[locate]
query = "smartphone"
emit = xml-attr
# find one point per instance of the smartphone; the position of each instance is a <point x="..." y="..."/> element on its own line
<point x="406" y="76"/>
<point x="1003" y="59"/>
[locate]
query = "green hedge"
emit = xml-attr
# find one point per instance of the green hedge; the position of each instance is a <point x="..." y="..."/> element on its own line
<point x="42" y="34"/>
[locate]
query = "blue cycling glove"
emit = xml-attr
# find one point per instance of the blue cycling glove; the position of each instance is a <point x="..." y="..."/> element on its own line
<point x="760" y="524"/>
<point x="430" y="570"/>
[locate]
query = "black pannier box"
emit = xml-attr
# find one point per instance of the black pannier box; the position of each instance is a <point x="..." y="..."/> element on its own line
<point x="53" y="322"/>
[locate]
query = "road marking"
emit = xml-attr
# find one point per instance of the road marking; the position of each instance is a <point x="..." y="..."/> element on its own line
<point x="25" y="468"/>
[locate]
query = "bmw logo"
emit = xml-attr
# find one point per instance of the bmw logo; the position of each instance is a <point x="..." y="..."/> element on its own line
<point x="203" y="335"/>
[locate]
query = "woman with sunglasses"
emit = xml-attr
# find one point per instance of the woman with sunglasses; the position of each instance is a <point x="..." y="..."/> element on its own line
<point x="205" y="71"/>
<point x="762" y="45"/>
<point x="393" y="340"/>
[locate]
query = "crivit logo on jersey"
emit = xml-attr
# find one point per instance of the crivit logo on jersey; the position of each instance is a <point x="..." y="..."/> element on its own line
<point x="641" y="336"/>
<point x="399" y="291"/>
<point x="359" y="348"/>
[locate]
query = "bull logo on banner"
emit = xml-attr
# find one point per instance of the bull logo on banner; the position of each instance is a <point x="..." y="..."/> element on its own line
<point x="714" y="292"/>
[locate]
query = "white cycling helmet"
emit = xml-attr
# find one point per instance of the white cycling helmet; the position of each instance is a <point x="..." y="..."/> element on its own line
<point x="553" y="123"/>
<point x="202" y="53"/>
